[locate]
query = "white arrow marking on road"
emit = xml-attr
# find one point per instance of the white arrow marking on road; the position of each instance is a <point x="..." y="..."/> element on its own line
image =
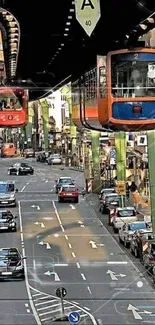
<point x="47" y="244"/>
<point x="56" y="277"/>
<point x="93" y="244"/>
<point x="81" y="224"/>
<point x="40" y="223"/>
<point x="72" y="206"/>
<point x="114" y="276"/>
<point x="35" y="206"/>
<point x="136" y="312"/>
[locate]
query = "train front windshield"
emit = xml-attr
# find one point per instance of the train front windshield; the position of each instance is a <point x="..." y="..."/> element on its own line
<point x="133" y="75"/>
<point x="11" y="100"/>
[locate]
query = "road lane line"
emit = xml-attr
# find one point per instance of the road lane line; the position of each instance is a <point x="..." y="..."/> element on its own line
<point x="78" y="265"/>
<point x="27" y="305"/>
<point x="87" y="308"/>
<point x="70" y="246"/>
<point x="23" y="188"/>
<point x="73" y="254"/>
<point x="45" y="302"/>
<point x="48" y="296"/>
<point x="89" y="289"/>
<point x="66" y="237"/>
<point x="83" y="277"/>
<point x="28" y="311"/>
<point x="26" y="273"/>
<point x="57" y="214"/>
<point x="37" y="294"/>
<point x="117" y="262"/>
<point x="34" y="264"/>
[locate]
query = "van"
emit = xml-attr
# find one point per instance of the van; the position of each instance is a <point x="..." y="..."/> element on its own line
<point x="8" y="150"/>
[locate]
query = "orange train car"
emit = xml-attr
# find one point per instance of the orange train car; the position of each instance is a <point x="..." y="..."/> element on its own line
<point x="129" y="91"/>
<point x="13" y="107"/>
<point x="87" y="96"/>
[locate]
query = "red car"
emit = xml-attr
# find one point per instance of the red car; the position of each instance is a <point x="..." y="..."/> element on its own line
<point x="68" y="193"/>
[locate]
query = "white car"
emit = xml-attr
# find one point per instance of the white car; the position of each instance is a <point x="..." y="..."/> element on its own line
<point x="54" y="159"/>
<point x="120" y="216"/>
<point x="128" y="229"/>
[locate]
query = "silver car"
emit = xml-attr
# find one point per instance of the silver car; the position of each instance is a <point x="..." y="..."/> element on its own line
<point x="54" y="159"/>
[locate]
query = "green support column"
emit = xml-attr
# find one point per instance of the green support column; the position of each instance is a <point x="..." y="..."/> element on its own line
<point x="120" y="144"/>
<point x="29" y="123"/>
<point x="95" y="161"/>
<point x="45" y="115"/>
<point x="151" y="160"/>
<point x="66" y="90"/>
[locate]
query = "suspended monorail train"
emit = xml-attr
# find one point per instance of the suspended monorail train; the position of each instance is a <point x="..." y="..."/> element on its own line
<point x="122" y="94"/>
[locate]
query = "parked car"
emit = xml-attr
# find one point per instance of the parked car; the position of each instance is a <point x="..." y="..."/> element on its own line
<point x="109" y="200"/>
<point x="29" y="153"/>
<point x="128" y="229"/>
<point x="106" y="191"/>
<point x="54" y="159"/>
<point x="118" y="216"/>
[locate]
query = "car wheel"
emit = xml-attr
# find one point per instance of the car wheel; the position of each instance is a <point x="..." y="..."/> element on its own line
<point x="14" y="229"/>
<point x="76" y="201"/>
<point x="32" y="173"/>
<point x="22" y="277"/>
<point x="120" y="240"/>
<point x="115" y="230"/>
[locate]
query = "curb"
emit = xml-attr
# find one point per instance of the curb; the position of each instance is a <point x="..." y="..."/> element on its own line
<point x="77" y="169"/>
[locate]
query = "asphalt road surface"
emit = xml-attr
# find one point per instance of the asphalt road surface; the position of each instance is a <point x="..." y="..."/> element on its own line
<point x="67" y="246"/>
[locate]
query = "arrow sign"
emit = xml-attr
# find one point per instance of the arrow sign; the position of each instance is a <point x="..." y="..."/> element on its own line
<point x="114" y="276"/>
<point x="56" y="277"/>
<point x="35" y="206"/>
<point x="93" y="244"/>
<point x="72" y="206"/>
<point x="39" y="223"/>
<point x="135" y="311"/>
<point x="47" y="244"/>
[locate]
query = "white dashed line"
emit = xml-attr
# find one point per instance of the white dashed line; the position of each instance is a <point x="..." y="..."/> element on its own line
<point x="70" y="246"/>
<point x="28" y="311"/>
<point x="27" y="305"/>
<point x="73" y="254"/>
<point x="78" y="265"/>
<point x="89" y="289"/>
<point x="83" y="277"/>
<point x="66" y="237"/>
<point x="23" y="188"/>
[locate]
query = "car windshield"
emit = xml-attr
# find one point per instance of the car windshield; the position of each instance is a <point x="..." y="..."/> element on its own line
<point x="136" y="226"/>
<point x="6" y="215"/>
<point x="112" y="198"/>
<point x="65" y="180"/>
<point x="127" y="213"/>
<point x="8" y="253"/>
<point x="108" y="191"/>
<point x="24" y="165"/>
<point x="5" y="188"/>
<point x="69" y="189"/>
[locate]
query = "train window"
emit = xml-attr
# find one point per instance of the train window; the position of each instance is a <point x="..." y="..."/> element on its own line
<point x="91" y="84"/>
<point x="102" y="81"/>
<point x="132" y="78"/>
